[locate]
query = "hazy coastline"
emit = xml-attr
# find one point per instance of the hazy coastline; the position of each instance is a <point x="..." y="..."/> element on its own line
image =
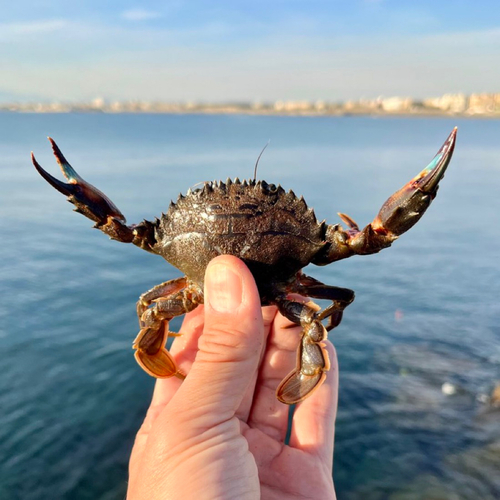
<point x="458" y="105"/>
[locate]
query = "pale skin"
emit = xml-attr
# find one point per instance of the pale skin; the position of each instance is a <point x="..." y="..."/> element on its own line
<point x="220" y="433"/>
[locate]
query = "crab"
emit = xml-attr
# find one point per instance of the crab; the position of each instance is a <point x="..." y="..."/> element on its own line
<point x="273" y="232"/>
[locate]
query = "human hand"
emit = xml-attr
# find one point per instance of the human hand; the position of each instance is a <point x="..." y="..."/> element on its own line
<point x="220" y="433"/>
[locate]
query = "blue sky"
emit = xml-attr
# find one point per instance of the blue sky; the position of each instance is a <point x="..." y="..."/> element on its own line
<point x="253" y="51"/>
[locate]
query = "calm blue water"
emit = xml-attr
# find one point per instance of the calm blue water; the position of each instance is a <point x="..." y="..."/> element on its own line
<point x="427" y="310"/>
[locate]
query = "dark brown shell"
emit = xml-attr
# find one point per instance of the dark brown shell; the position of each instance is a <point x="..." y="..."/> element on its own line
<point x="271" y="230"/>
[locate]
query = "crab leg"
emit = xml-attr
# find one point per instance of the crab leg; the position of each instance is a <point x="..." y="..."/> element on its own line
<point x="340" y="297"/>
<point x="312" y="357"/>
<point x="158" y="291"/>
<point x="397" y="215"/>
<point x="151" y="353"/>
<point x="95" y="205"/>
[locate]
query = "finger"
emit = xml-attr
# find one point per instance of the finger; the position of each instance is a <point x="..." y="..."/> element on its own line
<point x="313" y="425"/>
<point x="243" y="412"/>
<point x="183" y="350"/>
<point x="231" y="343"/>
<point x="268" y="414"/>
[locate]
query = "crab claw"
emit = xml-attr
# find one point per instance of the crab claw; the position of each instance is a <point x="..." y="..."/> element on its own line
<point x="398" y="214"/>
<point x="405" y="207"/>
<point x="88" y="199"/>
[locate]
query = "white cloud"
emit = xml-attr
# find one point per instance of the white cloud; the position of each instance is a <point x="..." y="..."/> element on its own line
<point x="139" y="15"/>
<point x="466" y="39"/>
<point x="14" y="30"/>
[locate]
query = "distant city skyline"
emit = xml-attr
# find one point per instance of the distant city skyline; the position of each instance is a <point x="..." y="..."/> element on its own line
<point x="473" y="105"/>
<point x="224" y="51"/>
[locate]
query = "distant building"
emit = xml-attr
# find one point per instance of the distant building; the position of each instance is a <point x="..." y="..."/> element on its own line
<point x="483" y="103"/>
<point x="292" y="106"/>
<point x="97" y="103"/>
<point x="453" y="103"/>
<point x="397" y="104"/>
<point x="320" y="106"/>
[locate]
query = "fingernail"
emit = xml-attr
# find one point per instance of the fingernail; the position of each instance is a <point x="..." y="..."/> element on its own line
<point x="225" y="288"/>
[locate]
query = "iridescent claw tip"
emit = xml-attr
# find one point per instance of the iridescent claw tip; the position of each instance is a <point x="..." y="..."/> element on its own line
<point x="427" y="180"/>
<point x="405" y="207"/>
<point x="68" y="171"/>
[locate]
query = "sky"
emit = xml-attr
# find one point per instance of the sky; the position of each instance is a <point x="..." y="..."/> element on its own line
<point x="253" y="51"/>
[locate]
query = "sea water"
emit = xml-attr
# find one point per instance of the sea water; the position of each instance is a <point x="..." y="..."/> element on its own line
<point x="419" y="349"/>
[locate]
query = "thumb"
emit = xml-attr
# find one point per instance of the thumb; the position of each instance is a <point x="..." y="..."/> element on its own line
<point x="231" y="342"/>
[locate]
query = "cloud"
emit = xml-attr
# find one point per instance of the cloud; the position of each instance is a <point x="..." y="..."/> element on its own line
<point x="139" y="15"/>
<point x="466" y="39"/>
<point x="15" y="30"/>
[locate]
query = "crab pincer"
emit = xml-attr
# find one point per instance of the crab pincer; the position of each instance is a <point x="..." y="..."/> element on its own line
<point x="405" y="207"/>
<point x="88" y="200"/>
<point x="398" y="214"/>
